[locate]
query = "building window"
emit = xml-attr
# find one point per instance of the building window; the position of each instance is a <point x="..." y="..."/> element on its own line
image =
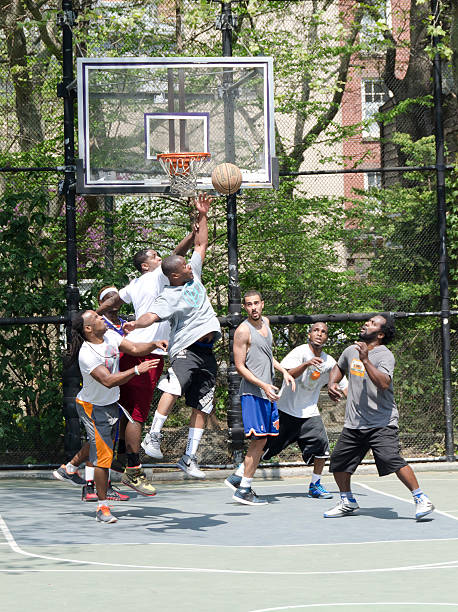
<point x="372" y="180"/>
<point x="374" y="95"/>
<point x="371" y="35"/>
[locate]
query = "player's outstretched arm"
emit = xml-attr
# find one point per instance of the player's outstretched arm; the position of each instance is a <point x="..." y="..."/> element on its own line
<point x="145" y="320"/>
<point x="183" y="247"/>
<point x="202" y="203"/>
<point x="113" y="302"/>
<point x="109" y="380"/>
<point x="140" y="349"/>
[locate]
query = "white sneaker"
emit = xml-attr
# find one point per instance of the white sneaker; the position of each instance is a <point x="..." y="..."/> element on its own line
<point x="423" y="506"/>
<point x="190" y="466"/>
<point x="152" y="445"/>
<point x="343" y="508"/>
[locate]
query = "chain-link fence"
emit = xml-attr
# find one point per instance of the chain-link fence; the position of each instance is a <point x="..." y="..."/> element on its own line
<point x="350" y="229"/>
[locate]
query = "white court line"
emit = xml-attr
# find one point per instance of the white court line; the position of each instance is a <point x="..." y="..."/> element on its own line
<point x="158" y="568"/>
<point x="305" y="545"/>
<point x="368" y="603"/>
<point x="407" y="501"/>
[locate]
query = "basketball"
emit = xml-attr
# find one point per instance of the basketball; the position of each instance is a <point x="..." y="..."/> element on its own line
<point x="226" y="178"/>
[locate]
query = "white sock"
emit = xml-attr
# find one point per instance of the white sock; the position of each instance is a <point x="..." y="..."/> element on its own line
<point x="158" y="422"/>
<point x="102" y="502"/>
<point x="89" y="471"/>
<point x="194" y="437"/>
<point x="344" y="495"/>
<point x="109" y="474"/>
<point x="246" y="483"/>
<point x="240" y="471"/>
<point x="417" y="492"/>
<point x="315" y="478"/>
<point x="71" y="469"/>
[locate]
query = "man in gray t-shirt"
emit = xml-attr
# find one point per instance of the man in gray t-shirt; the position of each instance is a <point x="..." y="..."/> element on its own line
<point x="194" y="330"/>
<point x="371" y="417"/>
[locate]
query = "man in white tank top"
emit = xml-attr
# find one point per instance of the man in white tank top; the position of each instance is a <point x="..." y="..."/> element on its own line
<point x="255" y="363"/>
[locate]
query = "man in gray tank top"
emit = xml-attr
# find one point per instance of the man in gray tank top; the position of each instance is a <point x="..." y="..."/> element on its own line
<point x="255" y="363"/>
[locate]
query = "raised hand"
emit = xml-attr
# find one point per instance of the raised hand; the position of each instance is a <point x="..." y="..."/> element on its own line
<point x="203" y="202"/>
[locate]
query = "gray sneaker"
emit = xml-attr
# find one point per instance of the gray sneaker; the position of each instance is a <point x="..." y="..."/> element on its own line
<point x="248" y="497"/>
<point x="62" y="474"/>
<point x="152" y="445"/>
<point x="103" y="515"/>
<point x="190" y="466"/>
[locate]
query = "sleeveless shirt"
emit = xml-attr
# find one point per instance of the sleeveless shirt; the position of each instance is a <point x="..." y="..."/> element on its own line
<point x="259" y="360"/>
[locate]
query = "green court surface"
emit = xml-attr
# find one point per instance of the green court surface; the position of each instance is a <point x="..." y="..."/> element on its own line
<point x="192" y="548"/>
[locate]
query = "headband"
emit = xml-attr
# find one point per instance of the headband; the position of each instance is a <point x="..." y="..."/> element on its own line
<point x="107" y="290"/>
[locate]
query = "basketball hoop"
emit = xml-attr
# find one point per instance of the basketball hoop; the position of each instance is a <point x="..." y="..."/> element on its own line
<point x="183" y="169"/>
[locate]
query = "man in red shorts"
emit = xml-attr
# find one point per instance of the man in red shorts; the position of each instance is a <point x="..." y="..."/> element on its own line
<point x="137" y="394"/>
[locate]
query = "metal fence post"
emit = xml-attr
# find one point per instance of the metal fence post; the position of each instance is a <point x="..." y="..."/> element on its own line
<point x="443" y="259"/>
<point x="234" y="413"/>
<point x="71" y="377"/>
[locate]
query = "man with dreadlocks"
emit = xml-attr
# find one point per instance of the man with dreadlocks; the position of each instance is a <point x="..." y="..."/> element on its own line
<point x="97" y="401"/>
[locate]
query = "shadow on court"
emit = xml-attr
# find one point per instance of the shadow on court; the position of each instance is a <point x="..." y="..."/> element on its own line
<point x="193" y="541"/>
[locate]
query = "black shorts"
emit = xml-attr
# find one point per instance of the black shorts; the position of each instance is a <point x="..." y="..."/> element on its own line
<point x="192" y="373"/>
<point x="353" y="444"/>
<point x="309" y="434"/>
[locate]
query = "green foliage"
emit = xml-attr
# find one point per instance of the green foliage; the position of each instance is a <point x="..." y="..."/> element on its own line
<point x="30" y="388"/>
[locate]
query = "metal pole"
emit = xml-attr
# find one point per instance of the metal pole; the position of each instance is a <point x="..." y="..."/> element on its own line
<point x="443" y="259"/>
<point x="234" y="412"/>
<point x="109" y="236"/>
<point x="71" y="377"/>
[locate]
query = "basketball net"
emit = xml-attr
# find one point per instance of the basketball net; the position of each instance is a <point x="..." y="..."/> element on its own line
<point x="183" y="170"/>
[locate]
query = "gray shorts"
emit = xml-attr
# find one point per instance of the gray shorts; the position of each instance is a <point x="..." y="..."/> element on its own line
<point x="100" y="423"/>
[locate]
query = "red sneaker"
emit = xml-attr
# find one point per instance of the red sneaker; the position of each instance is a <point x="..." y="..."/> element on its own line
<point x="88" y="494"/>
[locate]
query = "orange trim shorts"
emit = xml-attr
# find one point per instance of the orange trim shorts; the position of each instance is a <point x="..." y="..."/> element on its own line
<point x="100" y="423"/>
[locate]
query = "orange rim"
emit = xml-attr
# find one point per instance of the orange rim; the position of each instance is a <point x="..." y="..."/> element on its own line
<point x="179" y="162"/>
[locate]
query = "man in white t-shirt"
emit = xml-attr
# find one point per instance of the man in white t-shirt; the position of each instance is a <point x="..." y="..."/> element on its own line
<point x="97" y="402"/>
<point x="300" y="419"/>
<point x="136" y="396"/>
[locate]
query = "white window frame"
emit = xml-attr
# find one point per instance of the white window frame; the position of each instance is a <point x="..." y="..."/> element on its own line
<point x="372" y="130"/>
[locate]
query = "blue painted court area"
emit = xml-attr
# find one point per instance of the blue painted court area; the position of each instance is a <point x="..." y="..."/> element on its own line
<point x="192" y="546"/>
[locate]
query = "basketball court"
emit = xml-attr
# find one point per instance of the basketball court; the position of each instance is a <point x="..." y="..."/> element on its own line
<point x="191" y="547"/>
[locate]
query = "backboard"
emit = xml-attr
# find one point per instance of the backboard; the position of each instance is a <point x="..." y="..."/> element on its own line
<point x="131" y="109"/>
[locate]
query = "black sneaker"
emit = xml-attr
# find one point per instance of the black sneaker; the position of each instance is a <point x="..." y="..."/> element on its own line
<point x="248" y="497"/>
<point x="62" y="474"/>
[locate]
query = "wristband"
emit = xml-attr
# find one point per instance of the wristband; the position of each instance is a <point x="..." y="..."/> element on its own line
<point x="136" y="371"/>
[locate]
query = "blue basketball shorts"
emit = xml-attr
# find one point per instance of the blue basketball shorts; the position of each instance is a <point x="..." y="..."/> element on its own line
<point x="260" y="416"/>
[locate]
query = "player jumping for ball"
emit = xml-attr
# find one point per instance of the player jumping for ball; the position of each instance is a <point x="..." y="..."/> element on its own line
<point x="194" y="330"/>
